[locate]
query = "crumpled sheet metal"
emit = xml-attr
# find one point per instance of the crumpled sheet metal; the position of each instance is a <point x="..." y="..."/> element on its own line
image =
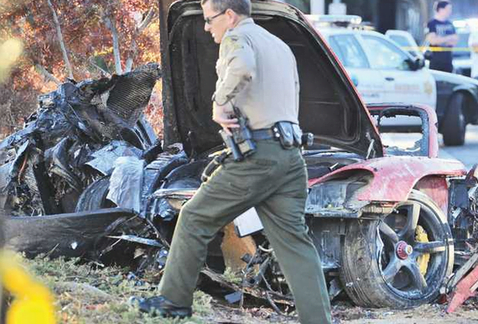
<point x="137" y="239"/>
<point x="104" y="159"/>
<point x="70" y="235"/>
<point x="132" y="91"/>
<point x="60" y="164"/>
<point x="4" y="180"/>
<point x="19" y="158"/>
<point x="126" y="182"/>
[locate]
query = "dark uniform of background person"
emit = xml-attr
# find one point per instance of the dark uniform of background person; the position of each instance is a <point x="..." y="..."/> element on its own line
<point x="442" y="37"/>
<point x="257" y="72"/>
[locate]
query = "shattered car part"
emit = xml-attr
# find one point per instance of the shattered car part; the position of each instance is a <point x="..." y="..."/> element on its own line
<point x="426" y="145"/>
<point x="69" y="235"/>
<point x="90" y="123"/>
<point x="137" y="239"/>
<point x="103" y="159"/>
<point x="463" y="284"/>
<point x="125" y="183"/>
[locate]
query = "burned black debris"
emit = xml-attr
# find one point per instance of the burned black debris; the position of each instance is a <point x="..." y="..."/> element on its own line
<point x="72" y="139"/>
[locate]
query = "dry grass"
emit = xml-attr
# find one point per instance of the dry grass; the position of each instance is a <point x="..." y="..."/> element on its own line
<point x="87" y="293"/>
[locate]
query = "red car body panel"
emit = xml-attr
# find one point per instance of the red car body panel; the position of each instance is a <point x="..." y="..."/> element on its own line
<point x="432" y="132"/>
<point x="435" y="187"/>
<point x="395" y="176"/>
<point x="432" y="127"/>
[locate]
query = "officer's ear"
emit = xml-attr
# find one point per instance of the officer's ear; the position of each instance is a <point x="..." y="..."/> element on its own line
<point x="232" y="16"/>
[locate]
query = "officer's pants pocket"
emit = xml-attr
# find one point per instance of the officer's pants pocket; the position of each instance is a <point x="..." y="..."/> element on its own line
<point x="251" y="173"/>
<point x="227" y="183"/>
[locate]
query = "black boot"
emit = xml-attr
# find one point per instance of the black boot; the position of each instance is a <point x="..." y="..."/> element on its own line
<point x="160" y="305"/>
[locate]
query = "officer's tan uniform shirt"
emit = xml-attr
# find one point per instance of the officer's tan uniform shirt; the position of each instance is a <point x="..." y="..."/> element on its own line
<point x="257" y="72"/>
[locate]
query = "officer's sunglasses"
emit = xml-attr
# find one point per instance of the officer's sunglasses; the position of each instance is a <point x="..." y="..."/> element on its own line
<point x="209" y="20"/>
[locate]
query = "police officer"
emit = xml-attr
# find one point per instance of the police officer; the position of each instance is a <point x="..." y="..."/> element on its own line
<point x="257" y="73"/>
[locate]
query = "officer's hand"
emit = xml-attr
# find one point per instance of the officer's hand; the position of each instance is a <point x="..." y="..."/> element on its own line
<point x="222" y="114"/>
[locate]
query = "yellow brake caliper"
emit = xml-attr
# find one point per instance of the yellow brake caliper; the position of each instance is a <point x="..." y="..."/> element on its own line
<point x="422" y="237"/>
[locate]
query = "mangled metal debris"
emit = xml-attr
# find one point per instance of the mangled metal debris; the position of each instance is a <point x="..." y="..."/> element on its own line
<point x="463" y="284"/>
<point x="73" y="138"/>
<point x="69" y="234"/>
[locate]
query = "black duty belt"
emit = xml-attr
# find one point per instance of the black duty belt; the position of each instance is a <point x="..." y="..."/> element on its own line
<point x="262" y="134"/>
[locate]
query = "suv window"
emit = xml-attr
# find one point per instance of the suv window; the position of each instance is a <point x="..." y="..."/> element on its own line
<point x="384" y="55"/>
<point x="405" y="44"/>
<point x="400" y="40"/>
<point x="347" y="48"/>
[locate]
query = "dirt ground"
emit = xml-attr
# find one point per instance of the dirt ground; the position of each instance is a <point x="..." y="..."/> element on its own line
<point x="346" y="313"/>
<point x="432" y="314"/>
<point x="89" y="294"/>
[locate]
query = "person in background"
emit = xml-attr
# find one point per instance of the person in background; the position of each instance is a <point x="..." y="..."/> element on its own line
<point x="473" y="43"/>
<point x="441" y="36"/>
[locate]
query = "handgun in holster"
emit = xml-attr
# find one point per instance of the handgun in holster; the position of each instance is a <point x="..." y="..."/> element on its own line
<point x="240" y="143"/>
<point x="232" y="146"/>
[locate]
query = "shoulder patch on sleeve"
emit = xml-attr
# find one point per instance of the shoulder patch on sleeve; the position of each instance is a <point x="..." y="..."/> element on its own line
<point x="231" y="43"/>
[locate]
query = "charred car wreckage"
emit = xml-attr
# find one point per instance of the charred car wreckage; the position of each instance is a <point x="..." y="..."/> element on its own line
<point x="88" y="176"/>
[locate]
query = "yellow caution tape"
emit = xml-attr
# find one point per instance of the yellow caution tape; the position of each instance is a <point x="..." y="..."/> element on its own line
<point x="33" y="303"/>
<point x="438" y="49"/>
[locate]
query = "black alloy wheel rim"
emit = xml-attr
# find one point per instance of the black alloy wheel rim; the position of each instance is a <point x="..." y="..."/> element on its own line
<point x="400" y="253"/>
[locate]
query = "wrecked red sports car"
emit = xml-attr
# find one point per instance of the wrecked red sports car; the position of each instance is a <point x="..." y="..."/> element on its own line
<point x="389" y="224"/>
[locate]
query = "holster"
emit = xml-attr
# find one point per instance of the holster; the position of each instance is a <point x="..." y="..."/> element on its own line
<point x="232" y="146"/>
<point x="241" y="143"/>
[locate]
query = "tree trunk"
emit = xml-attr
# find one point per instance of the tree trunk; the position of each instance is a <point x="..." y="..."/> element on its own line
<point x="60" y="39"/>
<point x="138" y="30"/>
<point x="50" y="77"/>
<point x="110" y="23"/>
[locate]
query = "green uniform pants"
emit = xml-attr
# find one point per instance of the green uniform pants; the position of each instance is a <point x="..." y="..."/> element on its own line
<point x="273" y="180"/>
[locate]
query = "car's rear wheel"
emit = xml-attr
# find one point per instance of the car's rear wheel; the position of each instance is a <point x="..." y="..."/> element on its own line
<point x="454" y="124"/>
<point x="398" y="261"/>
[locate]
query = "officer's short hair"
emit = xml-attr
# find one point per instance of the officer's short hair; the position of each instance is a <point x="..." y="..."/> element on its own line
<point x="241" y="7"/>
<point x="441" y="4"/>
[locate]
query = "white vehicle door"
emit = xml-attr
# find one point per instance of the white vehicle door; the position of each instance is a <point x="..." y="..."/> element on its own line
<point x="402" y="83"/>
<point x="367" y="81"/>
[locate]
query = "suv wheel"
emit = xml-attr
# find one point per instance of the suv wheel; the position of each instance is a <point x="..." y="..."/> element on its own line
<point x="454" y="123"/>
<point x="401" y="260"/>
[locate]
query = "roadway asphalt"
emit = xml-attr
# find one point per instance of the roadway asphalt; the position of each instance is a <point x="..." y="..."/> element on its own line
<point x="468" y="153"/>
